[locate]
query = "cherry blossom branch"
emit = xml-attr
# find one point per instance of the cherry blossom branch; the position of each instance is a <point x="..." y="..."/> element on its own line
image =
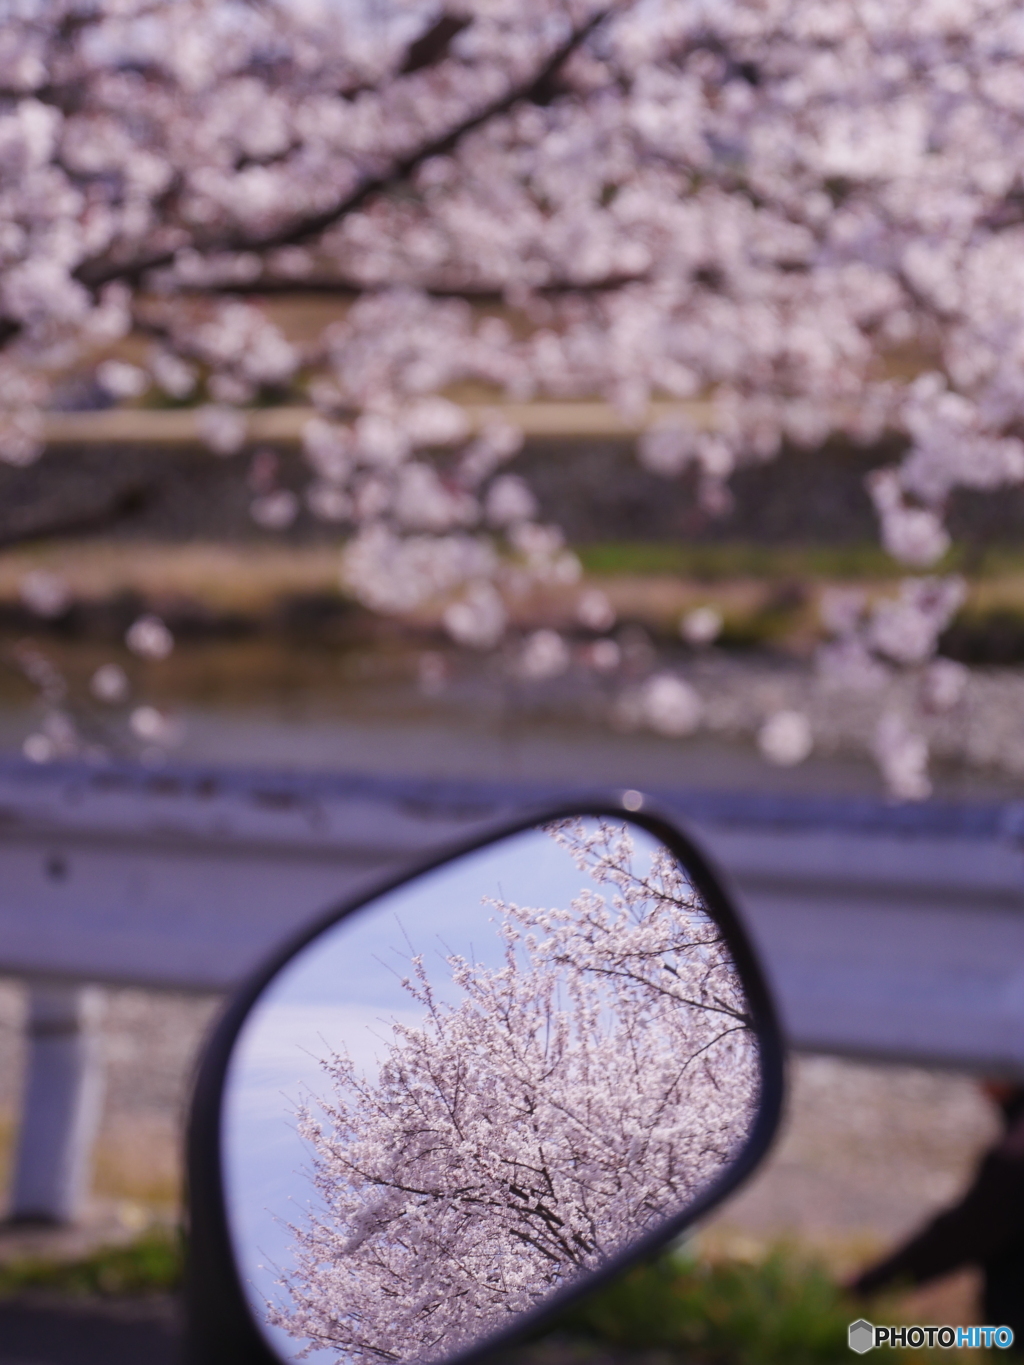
<point x="94" y="275"/>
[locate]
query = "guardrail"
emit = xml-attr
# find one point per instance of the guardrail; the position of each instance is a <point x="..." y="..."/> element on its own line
<point x="888" y="932"/>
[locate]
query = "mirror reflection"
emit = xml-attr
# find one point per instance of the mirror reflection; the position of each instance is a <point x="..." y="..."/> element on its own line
<point x="479" y="1086"/>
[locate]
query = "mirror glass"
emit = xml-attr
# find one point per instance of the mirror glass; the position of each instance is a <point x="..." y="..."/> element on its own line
<point x="478" y="1087"/>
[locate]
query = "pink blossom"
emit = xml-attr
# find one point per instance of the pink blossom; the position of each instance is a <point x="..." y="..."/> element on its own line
<point x="751" y="205"/>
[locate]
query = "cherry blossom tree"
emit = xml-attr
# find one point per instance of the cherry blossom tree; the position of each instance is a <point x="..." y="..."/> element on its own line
<point x="805" y="214"/>
<point x="554" y="1110"/>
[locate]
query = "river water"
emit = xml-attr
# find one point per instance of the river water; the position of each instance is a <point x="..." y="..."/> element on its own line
<point x="396" y="709"/>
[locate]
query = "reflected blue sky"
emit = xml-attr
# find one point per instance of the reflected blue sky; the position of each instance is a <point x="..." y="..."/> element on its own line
<point x="344" y="991"/>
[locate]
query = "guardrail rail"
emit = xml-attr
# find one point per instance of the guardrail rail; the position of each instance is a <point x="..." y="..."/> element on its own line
<point x="892" y="932"/>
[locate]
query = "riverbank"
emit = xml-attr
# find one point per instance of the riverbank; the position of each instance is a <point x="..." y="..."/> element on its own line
<point x="767" y="596"/>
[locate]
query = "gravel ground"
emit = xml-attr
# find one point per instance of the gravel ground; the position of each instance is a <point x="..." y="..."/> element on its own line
<point x="865" y="1155"/>
<point x="865" y="1152"/>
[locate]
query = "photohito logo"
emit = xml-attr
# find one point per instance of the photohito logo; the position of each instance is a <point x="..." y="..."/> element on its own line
<point x="864" y="1336"/>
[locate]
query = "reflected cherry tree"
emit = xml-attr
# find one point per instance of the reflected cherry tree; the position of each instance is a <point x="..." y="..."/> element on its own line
<point x="547" y="1112"/>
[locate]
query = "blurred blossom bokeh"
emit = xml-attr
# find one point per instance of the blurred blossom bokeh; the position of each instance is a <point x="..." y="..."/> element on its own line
<point x="593" y="394"/>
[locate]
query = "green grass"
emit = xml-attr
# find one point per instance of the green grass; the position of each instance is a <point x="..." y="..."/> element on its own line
<point x="782" y="1310"/>
<point x="150" y="1265"/>
<point x="744" y="559"/>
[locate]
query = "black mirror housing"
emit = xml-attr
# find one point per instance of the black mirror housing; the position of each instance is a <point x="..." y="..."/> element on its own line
<point x="221" y="1300"/>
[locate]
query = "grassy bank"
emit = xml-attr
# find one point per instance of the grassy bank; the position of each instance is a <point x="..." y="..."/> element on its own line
<point x="718" y="562"/>
<point x="768" y="595"/>
<point x="150" y="1265"/>
<point x="724" y="560"/>
<point x="784" y="1309"/>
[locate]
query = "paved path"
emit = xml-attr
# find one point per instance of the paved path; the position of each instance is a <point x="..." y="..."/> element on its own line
<point x="69" y="1333"/>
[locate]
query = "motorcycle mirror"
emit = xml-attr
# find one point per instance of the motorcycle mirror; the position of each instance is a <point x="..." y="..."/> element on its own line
<point x="454" y="1106"/>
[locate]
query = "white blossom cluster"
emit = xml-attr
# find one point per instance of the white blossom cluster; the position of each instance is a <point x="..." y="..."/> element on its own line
<point x="570" y="1101"/>
<point x="782" y="206"/>
<point x="65" y="728"/>
<point x="871" y="641"/>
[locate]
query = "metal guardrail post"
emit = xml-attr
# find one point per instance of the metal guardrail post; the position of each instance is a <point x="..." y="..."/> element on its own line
<point x="61" y="1109"/>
